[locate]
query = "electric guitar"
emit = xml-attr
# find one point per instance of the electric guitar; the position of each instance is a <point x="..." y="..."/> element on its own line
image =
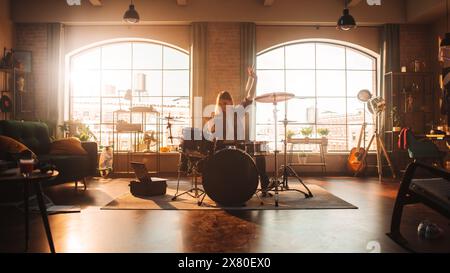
<point x="355" y="164"/>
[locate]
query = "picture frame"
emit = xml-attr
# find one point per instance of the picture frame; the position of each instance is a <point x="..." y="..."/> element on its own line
<point x="22" y="59"/>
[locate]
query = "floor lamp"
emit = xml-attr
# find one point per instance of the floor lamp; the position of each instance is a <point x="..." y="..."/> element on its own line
<point x="376" y="107"/>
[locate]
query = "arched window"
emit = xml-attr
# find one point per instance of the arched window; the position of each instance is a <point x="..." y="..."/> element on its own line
<point x="121" y="75"/>
<point x="325" y="78"/>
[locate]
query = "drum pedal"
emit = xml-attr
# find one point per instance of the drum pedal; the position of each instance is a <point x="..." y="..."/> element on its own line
<point x="266" y="194"/>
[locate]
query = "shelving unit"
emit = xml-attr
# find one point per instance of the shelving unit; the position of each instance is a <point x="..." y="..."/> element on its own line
<point x="7" y="78"/>
<point x="414" y="96"/>
<point x="17" y="85"/>
<point x="141" y="124"/>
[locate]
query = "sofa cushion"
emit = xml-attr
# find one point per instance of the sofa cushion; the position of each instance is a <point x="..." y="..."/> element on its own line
<point x="10" y="146"/>
<point x="67" y="146"/>
<point x="33" y="134"/>
<point x="69" y="166"/>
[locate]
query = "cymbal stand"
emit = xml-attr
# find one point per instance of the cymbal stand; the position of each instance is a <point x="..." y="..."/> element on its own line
<point x="276" y="186"/>
<point x="288" y="170"/>
<point x="276" y="183"/>
<point x="169" y="127"/>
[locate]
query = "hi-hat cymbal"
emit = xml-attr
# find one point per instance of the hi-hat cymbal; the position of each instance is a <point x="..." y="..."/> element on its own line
<point x="168" y="117"/>
<point x="171" y="119"/>
<point x="274" y="97"/>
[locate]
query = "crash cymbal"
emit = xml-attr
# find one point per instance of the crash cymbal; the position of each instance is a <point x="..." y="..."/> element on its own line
<point x="274" y="97"/>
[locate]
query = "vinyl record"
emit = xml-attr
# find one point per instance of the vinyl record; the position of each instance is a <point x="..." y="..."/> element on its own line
<point x="5" y="104"/>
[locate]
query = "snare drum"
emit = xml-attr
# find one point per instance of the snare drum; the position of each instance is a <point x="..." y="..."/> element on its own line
<point x="253" y="148"/>
<point x="194" y="145"/>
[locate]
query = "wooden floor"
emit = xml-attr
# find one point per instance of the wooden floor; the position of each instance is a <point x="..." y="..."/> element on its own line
<point x="95" y="230"/>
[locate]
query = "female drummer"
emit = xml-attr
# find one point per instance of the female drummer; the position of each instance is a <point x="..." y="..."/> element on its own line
<point x="223" y="102"/>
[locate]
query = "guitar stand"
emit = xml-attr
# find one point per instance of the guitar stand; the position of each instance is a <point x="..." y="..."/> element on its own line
<point x="194" y="191"/>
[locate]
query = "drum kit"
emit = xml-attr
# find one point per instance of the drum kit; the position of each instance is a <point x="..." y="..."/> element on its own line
<point x="230" y="175"/>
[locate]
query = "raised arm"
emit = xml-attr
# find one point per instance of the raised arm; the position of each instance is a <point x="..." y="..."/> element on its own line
<point x="250" y="88"/>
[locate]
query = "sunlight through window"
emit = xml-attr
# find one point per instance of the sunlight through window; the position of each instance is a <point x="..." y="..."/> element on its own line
<point x="156" y="75"/>
<point x="325" y="79"/>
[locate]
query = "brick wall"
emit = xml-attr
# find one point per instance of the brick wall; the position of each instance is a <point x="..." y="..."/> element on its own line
<point x="415" y="44"/>
<point x="223" y="60"/>
<point x="33" y="37"/>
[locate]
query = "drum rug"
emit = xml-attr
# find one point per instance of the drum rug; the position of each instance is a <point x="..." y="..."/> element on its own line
<point x="287" y="201"/>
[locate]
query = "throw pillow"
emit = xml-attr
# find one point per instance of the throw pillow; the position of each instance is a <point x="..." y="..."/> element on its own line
<point x="67" y="146"/>
<point x="10" y="146"/>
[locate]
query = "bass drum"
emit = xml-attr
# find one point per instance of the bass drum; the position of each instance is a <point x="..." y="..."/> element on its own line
<point x="230" y="177"/>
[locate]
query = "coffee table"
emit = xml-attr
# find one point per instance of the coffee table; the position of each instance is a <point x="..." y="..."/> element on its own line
<point x="35" y="179"/>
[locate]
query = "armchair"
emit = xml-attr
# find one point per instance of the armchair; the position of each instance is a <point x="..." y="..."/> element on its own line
<point x="433" y="192"/>
<point x="420" y="150"/>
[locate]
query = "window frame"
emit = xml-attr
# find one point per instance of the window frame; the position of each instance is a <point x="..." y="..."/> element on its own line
<point x="361" y="50"/>
<point x="69" y="97"/>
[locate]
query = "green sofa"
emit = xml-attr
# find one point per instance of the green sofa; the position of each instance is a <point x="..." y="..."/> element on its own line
<point x="35" y="135"/>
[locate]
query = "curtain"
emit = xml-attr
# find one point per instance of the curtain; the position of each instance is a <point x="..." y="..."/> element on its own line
<point x="198" y="68"/>
<point x="55" y="92"/>
<point x="390" y="48"/>
<point x="248" y="58"/>
<point x="389" y="52"/>
<point x="390" y="62"/>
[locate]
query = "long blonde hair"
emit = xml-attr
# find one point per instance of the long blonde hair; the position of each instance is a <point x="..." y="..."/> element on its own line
<point x="224" y="95"/>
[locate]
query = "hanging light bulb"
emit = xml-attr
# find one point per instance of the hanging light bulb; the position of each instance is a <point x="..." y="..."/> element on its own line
<point x="346" y="22"/>
<point x="445" y="43"/>
<point x="131" y="16"/>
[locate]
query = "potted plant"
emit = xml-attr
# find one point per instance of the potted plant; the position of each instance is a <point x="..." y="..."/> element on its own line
<point x="306" y="131"/>
<point x="323" y="132"/>
<point x="78" y="130"/>
<point x="69" y="128"/>
<point x="290" y="134"/>
<point x="395" y="120"/>
<point x="84" y="133"/>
